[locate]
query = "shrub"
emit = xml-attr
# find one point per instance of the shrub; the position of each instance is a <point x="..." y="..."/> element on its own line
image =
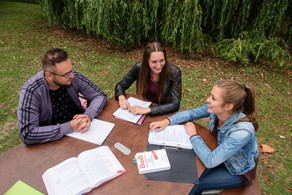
<point x="188" y="25"/>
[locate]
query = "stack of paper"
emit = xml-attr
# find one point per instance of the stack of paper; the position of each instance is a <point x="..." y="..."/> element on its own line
<point x="124" y="114"/>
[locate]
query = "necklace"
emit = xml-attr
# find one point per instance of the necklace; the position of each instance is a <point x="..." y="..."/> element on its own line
<point x="154" y="78"/>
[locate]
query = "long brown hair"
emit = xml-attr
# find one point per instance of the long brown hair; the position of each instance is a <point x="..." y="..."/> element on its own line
<point x="242" y="97"/>
<point x="145" y="71"/>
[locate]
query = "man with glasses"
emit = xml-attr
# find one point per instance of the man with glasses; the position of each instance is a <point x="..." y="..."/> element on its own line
<point x="49" y="105"/>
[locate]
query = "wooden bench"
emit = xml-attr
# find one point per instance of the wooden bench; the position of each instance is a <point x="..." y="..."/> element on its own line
<point x="253" y="189"/>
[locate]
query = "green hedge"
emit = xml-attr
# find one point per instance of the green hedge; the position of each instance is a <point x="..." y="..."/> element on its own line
<point x="238" y="30"/>
<point x="25" y="1"/>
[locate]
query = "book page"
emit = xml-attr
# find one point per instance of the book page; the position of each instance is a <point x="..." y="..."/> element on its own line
<point x="66" y="178"/>
<point x="175" y="136"/>
<point x="124" y="114"/>
<point x="136" y="102"/>
<point x="100" y="165"/>
<point x="96" y="134"/>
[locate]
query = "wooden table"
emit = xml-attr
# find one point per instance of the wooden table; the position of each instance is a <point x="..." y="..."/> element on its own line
<point x="28" y="163"/>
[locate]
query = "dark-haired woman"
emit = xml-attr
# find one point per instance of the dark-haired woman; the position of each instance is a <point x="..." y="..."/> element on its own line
<point x="231" y="108"/>
<point x="157" y="80"/>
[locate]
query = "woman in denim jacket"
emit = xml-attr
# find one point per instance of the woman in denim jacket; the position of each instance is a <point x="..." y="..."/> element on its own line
<point x="231" y="108"/>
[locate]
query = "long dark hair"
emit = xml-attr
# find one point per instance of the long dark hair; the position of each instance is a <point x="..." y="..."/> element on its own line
<point x="242" y="97"/>
<point x="145" y="71"/>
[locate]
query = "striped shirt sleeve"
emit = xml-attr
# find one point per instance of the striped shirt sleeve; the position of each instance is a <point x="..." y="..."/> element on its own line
<point x="29" y="117"/>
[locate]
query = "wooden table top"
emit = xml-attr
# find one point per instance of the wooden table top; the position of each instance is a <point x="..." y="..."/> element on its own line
<point x="28" y="163"/>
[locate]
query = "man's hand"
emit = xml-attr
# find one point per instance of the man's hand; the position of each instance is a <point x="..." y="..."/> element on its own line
<point x="159" y="125"/>
<point x="80" y="122"/>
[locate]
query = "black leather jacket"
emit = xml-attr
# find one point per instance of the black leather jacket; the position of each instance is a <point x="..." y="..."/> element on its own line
<point x="171" y="95"/>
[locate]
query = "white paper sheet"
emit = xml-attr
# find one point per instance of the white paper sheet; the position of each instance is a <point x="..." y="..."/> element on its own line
<point x="96" y="134"/>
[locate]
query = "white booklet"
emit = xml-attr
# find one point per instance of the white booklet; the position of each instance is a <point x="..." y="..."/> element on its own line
<point x="124" y="114"/>
<point x="96" y="134"/>
<point x="174" y="136"/>
<point x="89" y="170"/>
<point x="152" y="161"/>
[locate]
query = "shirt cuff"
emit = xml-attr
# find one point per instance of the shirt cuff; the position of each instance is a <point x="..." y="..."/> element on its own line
<point x="171" y="122"/>
<point x="91" y="113"/>
<point x="194" y="136"/>
<point x="65" y="128"/>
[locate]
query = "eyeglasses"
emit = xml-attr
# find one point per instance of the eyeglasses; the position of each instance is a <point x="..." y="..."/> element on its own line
<point x="64" y="75"/>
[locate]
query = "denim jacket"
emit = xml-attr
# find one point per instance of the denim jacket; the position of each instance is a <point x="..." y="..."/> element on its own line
<point x="237" y="145"/>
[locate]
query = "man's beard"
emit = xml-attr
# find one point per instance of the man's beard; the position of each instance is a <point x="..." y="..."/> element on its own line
<point x="63" y="85"/>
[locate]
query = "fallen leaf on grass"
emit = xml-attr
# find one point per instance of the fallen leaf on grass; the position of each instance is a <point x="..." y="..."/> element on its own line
<point x="289" y="188"/>
<point x="276" y="131"/>
<point x="270" y="166"/>
<point x="266" y="149"/>
<point x="282" y="154"/>
<point x="267" y="178"/>
<point x="281" y="136"/>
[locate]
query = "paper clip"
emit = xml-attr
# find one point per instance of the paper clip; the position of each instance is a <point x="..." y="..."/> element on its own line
<point x="170" y="147"/>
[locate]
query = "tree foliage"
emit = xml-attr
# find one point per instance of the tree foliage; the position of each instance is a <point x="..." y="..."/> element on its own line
<point x="239" y="30"/>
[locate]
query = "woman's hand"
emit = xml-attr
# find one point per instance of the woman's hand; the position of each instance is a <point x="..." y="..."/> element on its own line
<point x="159" y="125"/>
<point x="123" y="102"/>
<point x="190" y="128"/>
<point x="139" y="110"/>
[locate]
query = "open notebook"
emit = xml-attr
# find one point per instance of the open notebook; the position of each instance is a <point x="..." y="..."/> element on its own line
<point x="124" y="114"/>
<point x="174" y="136"/>
<point x="96" y="134"/>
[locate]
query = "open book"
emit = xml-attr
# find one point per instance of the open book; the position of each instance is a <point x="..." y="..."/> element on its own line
<point x="175" y="136"/>
<point x="96" y="134"/>
<point x="89" y="170"/>
<point x="124" y="114"/>
<point x="152" y="161"/>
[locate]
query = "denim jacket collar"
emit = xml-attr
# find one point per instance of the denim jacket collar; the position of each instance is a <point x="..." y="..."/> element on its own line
<point x="235" y="117"/>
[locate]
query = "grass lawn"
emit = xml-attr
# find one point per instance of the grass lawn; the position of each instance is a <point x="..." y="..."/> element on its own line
<point x="25" y="35"/>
